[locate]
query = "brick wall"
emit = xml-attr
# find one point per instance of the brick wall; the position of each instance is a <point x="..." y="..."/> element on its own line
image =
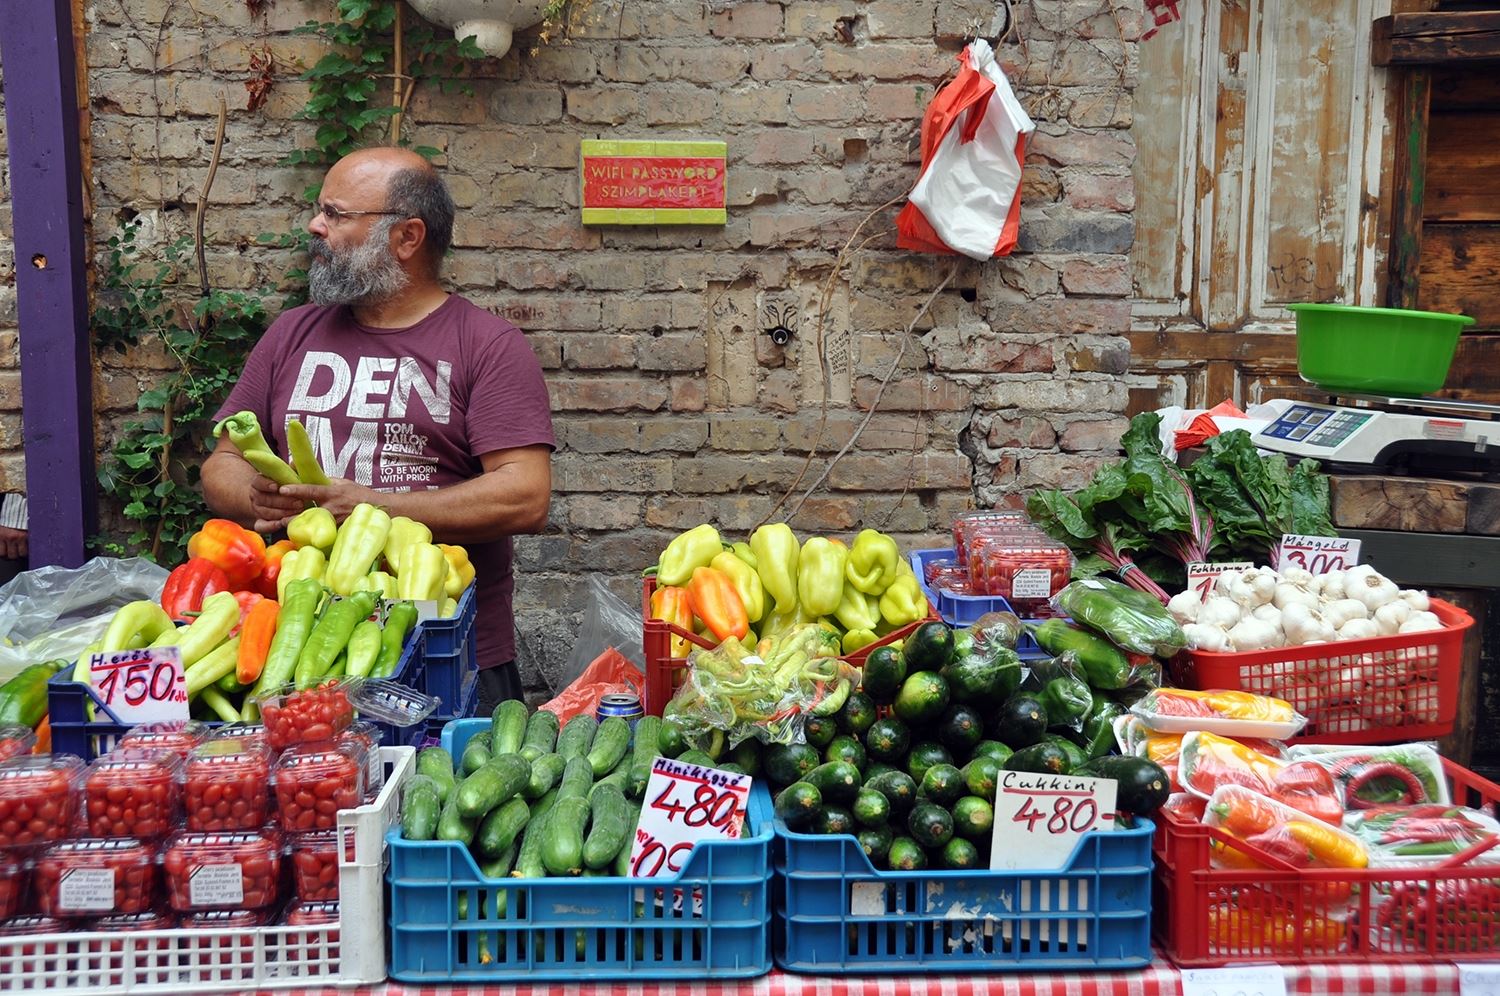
<point x="672" y="405"/>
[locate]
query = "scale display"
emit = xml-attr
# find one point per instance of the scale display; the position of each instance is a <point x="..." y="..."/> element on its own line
<point x="1329" y="428"/>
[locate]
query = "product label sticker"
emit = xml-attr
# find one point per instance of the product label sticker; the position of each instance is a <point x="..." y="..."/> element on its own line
<point x="1236" y="980"/>
<point x="1031" y="582"/>
<point x="87" y="890"/>
<point x="216" y="885"/>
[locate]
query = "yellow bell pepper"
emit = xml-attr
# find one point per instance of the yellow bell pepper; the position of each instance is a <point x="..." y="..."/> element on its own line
<point x="903" y="602"/>
<point x="872" y="562"/>
<point x="313" y="527"/>
<point x="460" y="571"/>
<point x="448" y="609"/>
<point x="360" y="541"/>
<point x="380" y="583"/>
<point x="425" y="574"/>
<point x="820" y="575"/>
<point x="404" y="534"/>
<point x="303" y="562"/>
<point x="858" y="639"/>
<point x="686" y="553"/>
<point x="776" y="553"/>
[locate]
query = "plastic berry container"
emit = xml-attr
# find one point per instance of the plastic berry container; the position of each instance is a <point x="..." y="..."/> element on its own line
<point x="306" y="716"/>
<point x="125" y="923"/>
<point x="224" y="939"/>
<point x="315" y="781"/>
<point x="305" y="914"/>
<point x="1024" y="570"/>
<point x="239" y="870"/>
<point x="227" y="785"/>
<point x="95" y="876"/>
<point x="177" y="736"/>
<point x="30" y="924"/>
<point x="133" y="793"/>
<point x="255" y="732"/>
<point x="16" y="741"/>
<point x="15" y="876"/>
<point x="38" y="798"/>
<point x="367" y="735"/>
<point x="315" y="865"/>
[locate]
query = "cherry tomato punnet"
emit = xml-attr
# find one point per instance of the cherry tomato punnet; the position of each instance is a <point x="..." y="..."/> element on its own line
<point x="95" y="876"/>
<point x="227" y="785"/>
<point x="239" y="870"/>
<point x="38" y="798"/>
<point x="133" y="793"/>
<point x="315" y="781"/>
<point x="306" y="716"/>
<point x="177" y="736"/>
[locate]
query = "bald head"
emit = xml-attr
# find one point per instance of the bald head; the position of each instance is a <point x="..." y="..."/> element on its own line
<point x="405" y="183"/>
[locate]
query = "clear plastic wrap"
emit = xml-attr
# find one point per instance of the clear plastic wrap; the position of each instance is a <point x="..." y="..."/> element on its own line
<point x="1396" y="775"/>
<point x="1422" y="835"/>
<point x="766" y="696"/>
<point x="1062" y="686"/>
<point x="314" y="781"/>
<point x="227" y="785"/>
<point x="16" y="741"/>
<point x="15" y="877"/>
<point x="177" y="736"/>
<point x="1278" y="830"/>
<point x="1227" y="713"/>
<point x="1209" y="762"/>
<point x="1130" y="618"/>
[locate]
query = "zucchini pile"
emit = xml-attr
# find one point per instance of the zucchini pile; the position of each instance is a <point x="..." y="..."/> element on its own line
<point x="531" y="800"/>
<point x="909" y="765"/>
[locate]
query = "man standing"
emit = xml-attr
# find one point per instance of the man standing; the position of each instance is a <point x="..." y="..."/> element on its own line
<point x="416" y="400"/>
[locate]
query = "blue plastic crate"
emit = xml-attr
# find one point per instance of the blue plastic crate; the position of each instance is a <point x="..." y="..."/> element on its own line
<point x="711" y="921"/>
<point x="73" y="732"/>
<point x="835" y="913"/>
<point x="963" y="610"/>
<point x="450" y="663"/>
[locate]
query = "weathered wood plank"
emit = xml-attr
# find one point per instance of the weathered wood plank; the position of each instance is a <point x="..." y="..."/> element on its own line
<point x="1464" y="88"/>
<point x="1460" y="273"/>
<point x="1226" y="236"/>
<point x="1307" y="164"/>
<point x="1484" y="512"/>
<point x="1436" y="37"/>
<point x="1405" y="503"/>
<point x="1408" y="184"/>
<point x="1463" y="167"/>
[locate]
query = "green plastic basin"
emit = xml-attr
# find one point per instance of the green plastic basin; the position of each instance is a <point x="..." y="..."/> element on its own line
<point x="1375" y="350"/>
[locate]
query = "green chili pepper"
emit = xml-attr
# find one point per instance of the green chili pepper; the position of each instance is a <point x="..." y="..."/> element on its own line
<point x="244" y="432"/>
<point x="399" y="619"/>
<point x="299" y="448"/>
<point x="331" y="635"/>
<point x="340" y="665"/>
<point x="293" y="625"/>
<point x="364" y="648"/>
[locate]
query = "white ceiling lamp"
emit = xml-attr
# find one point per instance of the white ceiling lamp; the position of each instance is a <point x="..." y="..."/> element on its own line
<point x="493" y="23"/>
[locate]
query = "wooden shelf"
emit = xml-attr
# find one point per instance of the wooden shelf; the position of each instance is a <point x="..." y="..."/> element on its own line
<point x="1435" y="37"/>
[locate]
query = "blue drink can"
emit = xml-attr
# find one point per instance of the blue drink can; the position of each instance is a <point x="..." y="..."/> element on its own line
<point x="625" y="705"/>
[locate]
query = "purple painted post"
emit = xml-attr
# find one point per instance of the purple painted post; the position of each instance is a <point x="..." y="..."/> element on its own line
<point x="46" y="196"/>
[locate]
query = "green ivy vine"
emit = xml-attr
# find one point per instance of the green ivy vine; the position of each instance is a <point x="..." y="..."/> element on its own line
<point x="149" y="474"/>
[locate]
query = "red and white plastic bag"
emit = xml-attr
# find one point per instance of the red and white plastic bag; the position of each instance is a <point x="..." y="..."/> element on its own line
<point x="974" y="134"/>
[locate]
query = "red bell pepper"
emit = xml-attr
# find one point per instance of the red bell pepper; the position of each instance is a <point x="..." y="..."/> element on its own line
<point x="266" y="583"/>
<point x="188" y="585"/>
<point x="240" y="553"/>
<point x="1309" y="787"/>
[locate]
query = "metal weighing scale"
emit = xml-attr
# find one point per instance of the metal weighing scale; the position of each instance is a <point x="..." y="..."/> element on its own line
<point x="1434" y="436"/>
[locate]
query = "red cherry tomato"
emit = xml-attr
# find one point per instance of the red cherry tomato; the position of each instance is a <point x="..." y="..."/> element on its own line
<point x="315" y="866"/>
<point x="37" y="799"/>
<point x="196" y="869"/>
<point x="228" y="785"/>
<point x="121" y="873"/>
<point x="131" y="794"/>
<point x="315" y="781"/>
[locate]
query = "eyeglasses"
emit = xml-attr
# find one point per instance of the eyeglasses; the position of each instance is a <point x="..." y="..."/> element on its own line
<point x="334" y="215"/>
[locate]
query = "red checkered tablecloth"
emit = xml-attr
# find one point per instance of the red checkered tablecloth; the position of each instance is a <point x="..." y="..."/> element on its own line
<point x="1160" y="978"/>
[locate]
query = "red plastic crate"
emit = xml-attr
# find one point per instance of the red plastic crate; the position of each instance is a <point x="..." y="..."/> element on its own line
<point x="1351" y="691"/>
<point x="665" y="673"/>
<point x="1211" y="916"/>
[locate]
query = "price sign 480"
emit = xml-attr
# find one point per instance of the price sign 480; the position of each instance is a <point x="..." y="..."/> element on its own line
<point x="1068" y="813"/>
<point x="711" y="806"/>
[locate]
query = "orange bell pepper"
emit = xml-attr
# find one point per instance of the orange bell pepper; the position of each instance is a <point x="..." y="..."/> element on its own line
<point x="43" y="737"/>
<point x="240" y="553"/>
<point x="256" y="631"/>
<point x="717" y="602"/>
<point x="673" y="605"/>
<point x="266" y="582"/>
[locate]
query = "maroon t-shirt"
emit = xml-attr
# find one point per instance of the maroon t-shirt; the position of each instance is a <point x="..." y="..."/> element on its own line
<point x="406" y="410"/>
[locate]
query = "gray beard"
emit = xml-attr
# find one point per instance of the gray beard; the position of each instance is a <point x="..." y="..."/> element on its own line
<point x="366" y="274"/>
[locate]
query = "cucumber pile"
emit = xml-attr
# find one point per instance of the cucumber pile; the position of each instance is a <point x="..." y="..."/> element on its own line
<point x="530" y="799"/>
<point x="910" y="764"/>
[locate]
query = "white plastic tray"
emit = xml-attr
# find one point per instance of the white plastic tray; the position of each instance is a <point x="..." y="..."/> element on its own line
<point x="183" y="962"/>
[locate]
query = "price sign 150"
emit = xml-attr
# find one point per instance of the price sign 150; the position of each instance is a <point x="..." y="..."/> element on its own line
<point x="141" y="685"/>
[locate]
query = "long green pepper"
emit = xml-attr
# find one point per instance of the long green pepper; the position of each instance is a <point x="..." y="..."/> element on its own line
<point x="399" y="619"/>
<point x="293" y="626"/>
<point x="364" y="648"/>
<point x="330" y="636"/>
<point x="245" y="433"/>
